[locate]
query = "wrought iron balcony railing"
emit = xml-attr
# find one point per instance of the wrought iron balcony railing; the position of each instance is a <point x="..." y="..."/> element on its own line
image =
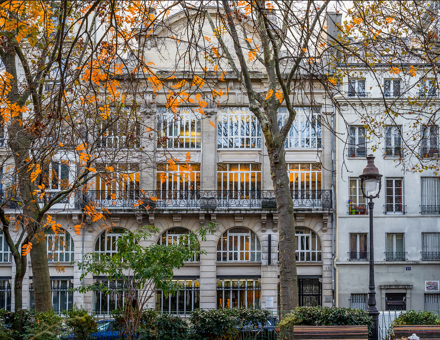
<point x="395" y="256"/>
<point x="430" y="209"/>
<point x="429" y="152"/>
<point x="206" y="199"/>
<point x="357" y="151"/>
<point x="360" y="94"/>
<point x="358" y="209"/>
<point x="430" y="255"/>
<point x="397" y="208"/>
<point x="393" y="151"/>
<point x="358" y="256"/>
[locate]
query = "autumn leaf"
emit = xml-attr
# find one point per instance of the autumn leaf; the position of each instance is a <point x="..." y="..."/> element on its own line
<point x="394" y="70"/>
<point x="149" y="129"/>
<point x="154" y="199"/>
<point x="208" y="39"/>
<point x="279" y="95"/>
<point x="249" y="40"/>
<point x="34" y="174"/>
<point x="78" y="228"/>
<point x="389" y="20"/>
<point x="81" y="147"/>
<point x="412" y="71"/>
<point x="357" y="21"/>
<point x="110" y="168"/>
<point x="269" y="94"/>
<point x="212" y="124"/>
<point x="188" y="157"/>
<point x="197" y="81"/>
<point x="105" y="111"/>
<point x="252" y="55"/>
<point x="215" y="51"/>
<point x="60" y="144"/>
<point x="26" y="248"/>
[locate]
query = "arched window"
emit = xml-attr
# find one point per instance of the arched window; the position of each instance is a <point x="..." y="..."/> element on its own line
<point x="175" y="236"/>
<point x="60" y="246"/>
<point x="239" y="245"/>
<point x="106" y="242"/>
<point x="308" y="245"/>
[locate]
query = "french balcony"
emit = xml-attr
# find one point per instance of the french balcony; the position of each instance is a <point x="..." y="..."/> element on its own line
<point x="358" y="255"/>
<point x="430" y="255"/>
<point x="393" y="151"/>
<point x="429" y="152"/>
<point x="430" y="209"/>
<point x="358" y="209"/>
<point x="357" y="151"/>
<point x="395" y="256"/>
<point x="210" y="200"/>
<point x="396" y="208"/>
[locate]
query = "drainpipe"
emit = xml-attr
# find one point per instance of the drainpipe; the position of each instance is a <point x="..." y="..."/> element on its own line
<point x="334" y="205"/>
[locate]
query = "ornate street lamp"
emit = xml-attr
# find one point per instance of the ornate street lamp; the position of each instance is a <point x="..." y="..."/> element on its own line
<point x="372" y="180"/>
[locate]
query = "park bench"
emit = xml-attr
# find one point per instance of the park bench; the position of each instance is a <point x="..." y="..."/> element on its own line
<point x="330" y="332"/>
<point x="422" y="331"/>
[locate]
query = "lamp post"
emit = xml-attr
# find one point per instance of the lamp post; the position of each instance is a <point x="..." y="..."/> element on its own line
<point x="372" y="180"/>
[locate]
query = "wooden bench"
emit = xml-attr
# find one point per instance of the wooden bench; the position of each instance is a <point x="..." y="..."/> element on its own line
<point x="423" y="332"/>
<point x="330" y="332"/>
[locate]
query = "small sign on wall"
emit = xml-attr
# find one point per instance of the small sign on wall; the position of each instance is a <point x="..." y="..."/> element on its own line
<point x="431" y="286"/>
<point x="269" y="301"/>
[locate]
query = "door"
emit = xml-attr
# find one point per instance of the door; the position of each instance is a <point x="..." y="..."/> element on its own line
<point x="395" y="301"/>
<point x="309" y="292"/>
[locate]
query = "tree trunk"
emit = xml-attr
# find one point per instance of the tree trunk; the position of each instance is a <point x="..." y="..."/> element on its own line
<point x="20" y="266"/>
<point x="41" y="277"/>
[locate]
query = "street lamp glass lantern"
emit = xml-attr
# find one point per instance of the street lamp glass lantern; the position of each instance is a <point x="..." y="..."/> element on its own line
<point x="371" y="178"/>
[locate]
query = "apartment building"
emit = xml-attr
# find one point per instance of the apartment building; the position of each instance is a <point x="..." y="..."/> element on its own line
<point x="219" y="172"/>
<point x="406" y="223"/>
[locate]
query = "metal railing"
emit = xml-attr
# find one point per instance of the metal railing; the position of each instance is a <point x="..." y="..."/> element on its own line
<point x="360" y="94"/>
<point x="395" y="255"/>
<point x="395" y="151"/>
<point x="430" y="209"/>
<point x="391" y="208"/>
<point x="429" y="152"/>
<point x="206" y="199"/>
<point x="430" y="255"/>
<point x="358" y="209"/>
<point x="357" y="151"/>
<point x="358" y="256"/>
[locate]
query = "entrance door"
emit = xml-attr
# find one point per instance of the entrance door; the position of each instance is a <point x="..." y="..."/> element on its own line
<point x="395" y="301"/>
<point x="309" y="292"/>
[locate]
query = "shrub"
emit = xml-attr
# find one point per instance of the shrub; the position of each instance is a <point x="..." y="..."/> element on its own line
<point x="166" y="327"/>
<point x="326" y="316"/>
<point x="43" y="326"/>
<point x="213" y="324"/>
<point x="80" y="323"/>
<point x="417" y="318"/>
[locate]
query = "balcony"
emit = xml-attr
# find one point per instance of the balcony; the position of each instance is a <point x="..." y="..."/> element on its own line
<point x="357" y="151"/>
<point x="397" y="209"/>
<point x="393" y="151"/>
<point x="395" y="256"/>
<point x="358" y="209"/>
<point x="430" y="255"/>
<point x="429" y="152"/>
<point x="430" y="209"/>
<point x="210" y="200"/>
<point x="359" y="94"/>
<point x="358" y="256"/>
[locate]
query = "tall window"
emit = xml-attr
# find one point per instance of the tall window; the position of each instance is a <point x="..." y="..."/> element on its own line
<point x="182" y="302"/>
<point x="358" y="247"/>
<point x="239" y="245"/>
<point x="305" y="176"/>
<point x="60" y="246"/>
<point x="5" y="295"/>
<point x="428" y="88"/>
<point x="104" y="302"/>
<point x="62" y="297"/>
<point x="306" y="132"/>
<point x="394" y="196"/>
<point x="393" y="141"/>
<point x="308" y="246"/>
<point x="106" y="242"/>
<point x="356" y="88"/>
<point x="429" y="142"/>
<point x="55" y="175"/>
<point x="391" y="88"/>
<point x="179" y="131"/>
<point x="395" y="247"/>
<point x="238" y="128"/>
<point x="173" y="180"/>
<point x="5" y="252"/>
<point x="356" y="203"/>
<point x="359" y="301"/>
<point x="239" y="178"/>
<point x="430" y="195"/>
<point x="121" y="134"/>
<point x="238" y="293"/>
<point x="120" y="184"/>
<point x="175" y="236"/>
<point x="431" y="246"/>
<point x="357" y="146"/>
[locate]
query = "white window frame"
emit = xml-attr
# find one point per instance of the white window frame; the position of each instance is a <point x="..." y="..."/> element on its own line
<point x="5" y="295"/>
<point x="236" y="245"/>
<point x="60" y="247"/>
<point x="113" y="235"/>
<point x="393" y="140"/>
<point x="354" y="88"/>
<point x="227" y="287"/>
<point x="428" y="87"/>
<point x="238" y="128"/>
<point x="392" y="255"/>
<point x="124" y="184"/>
<point x="360" y="206"/>
<point x="194" y="294"/>
<point x="112" y="295"/>
<point x="116" y="137"/>
<point x="430" y="191"/>
<point x="431" y="246"/>
<point x="393" y="90"/>
<point x="394" y="207"/>
<point x="305" y="250"/>
<point x="175" y="236"/>
<point x="181" y="130"/>
<point x="309" y="176"/>
<point x="355" y="144"/>
<point x="5" y="252"/>
<point x="57" y="291"/>
<point x="239" y="181"/>
<point x="306" y="130"/>
<point x="357" y="251"/>
<point x="430" y="141"/>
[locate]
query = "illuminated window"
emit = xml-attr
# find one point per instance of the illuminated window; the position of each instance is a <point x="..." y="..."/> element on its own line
<point x="306" y="131"/>
<point x="182" y="302"/>
<point x="238" y="128"/>
<point x="180" y="131"/>
<point x="175" y="236"/>
<point x="120" y="184"/>
<point x="60" y="246"/>
<point x="238" y="178"/>
<point x="239" y="245"/>
<point x="356" y="203"/>
<point x="305" y="176"/>
<point x="106" y="242"/>
<point x="238" y="293"/>
<point x="172" y="179"/>
<point x="308" y="245"/>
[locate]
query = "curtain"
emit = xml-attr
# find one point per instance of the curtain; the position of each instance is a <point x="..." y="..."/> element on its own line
<point x="431" y="242"/>
<point x="430" y="191"/>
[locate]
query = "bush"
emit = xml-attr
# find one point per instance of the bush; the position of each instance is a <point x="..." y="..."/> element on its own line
<point x="326" y="316"/>
<point x="417" y="318"/>
<point x="80" y="323"/>
<point x="43" y="326"/>
<point x="166" y="327"/>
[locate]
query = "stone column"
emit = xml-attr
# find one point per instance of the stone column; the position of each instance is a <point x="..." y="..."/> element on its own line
<point x="148" y="145"/>
<point x="208" y="180"/>
<point x="208" y="273"/>
<point x="269" y="273"/>
<point x="326" y="246"/>
<point x="267" y="183"/>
